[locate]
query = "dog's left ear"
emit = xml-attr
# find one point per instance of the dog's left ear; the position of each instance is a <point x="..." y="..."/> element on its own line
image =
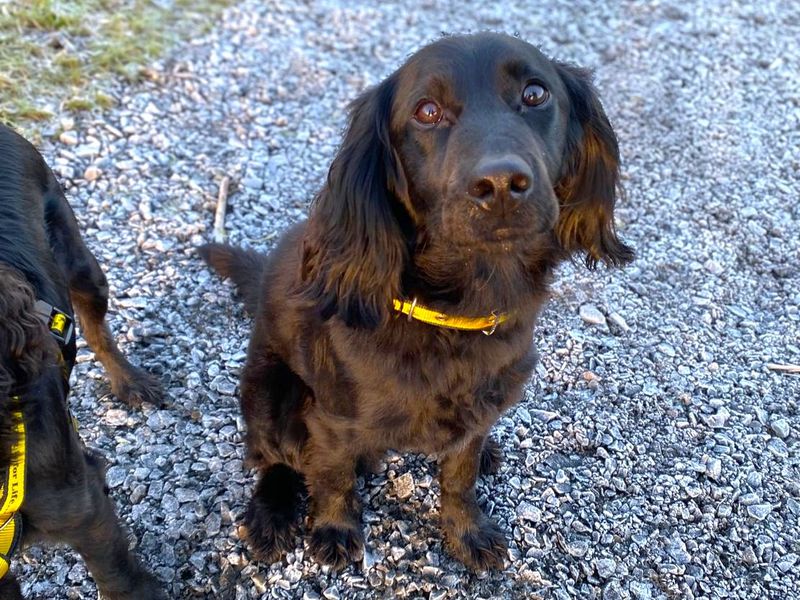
<point x="589" y="182"/>
<point x="354" y="249"/>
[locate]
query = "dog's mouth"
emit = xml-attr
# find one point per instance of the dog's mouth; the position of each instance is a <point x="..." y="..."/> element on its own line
<point x="468" y="227"/>
<point x="502" y="240"/>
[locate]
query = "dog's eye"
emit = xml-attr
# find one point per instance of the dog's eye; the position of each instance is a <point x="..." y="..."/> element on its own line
<point x="535" y="94"/>
<point x="428" y="113"/>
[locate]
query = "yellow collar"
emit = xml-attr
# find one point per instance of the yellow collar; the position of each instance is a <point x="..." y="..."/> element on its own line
<point x="12" y="494"/>
<point x="414" y="311"/>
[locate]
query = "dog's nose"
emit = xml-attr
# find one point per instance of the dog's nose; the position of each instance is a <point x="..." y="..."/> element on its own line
<point x="500" y="183"/>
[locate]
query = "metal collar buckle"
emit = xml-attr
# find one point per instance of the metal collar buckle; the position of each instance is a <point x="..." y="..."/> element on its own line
<point x="411" y="310"/>
<point x="495" y="321"/>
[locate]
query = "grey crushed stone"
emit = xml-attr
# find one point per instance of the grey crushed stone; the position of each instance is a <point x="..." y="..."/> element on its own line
<point x="653" y="458"/>
<point x="591" y="314"/>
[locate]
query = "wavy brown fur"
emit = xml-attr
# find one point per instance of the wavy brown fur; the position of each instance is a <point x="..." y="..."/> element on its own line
<point x="25" y="349"/>
<point x="589" y="184"/>
<point x="469" y="214"/>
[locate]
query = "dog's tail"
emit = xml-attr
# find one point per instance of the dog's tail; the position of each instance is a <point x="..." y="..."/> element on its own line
<point x="243" y="267"/>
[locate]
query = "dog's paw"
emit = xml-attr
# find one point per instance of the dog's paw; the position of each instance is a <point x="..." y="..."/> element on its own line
<point x="270" y="532"/>
<point x="491" y="457"/>
<point x="336" y="546"/>
<point x="138" y="387"/>
<point x="150" y="589"/>
<point x="480" y="548"/>
<point x="368" y="465"/>
<point x="9" y="588"/>
<point x="145" y="587"/>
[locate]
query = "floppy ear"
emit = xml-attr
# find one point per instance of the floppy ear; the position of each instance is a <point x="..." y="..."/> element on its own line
<point x="354" y="249"/>
<point x="25" y="346"/>
<point x="589" y="182"/>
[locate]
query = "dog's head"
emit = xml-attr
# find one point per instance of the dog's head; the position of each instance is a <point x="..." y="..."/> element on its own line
<point x="479" y="144"/>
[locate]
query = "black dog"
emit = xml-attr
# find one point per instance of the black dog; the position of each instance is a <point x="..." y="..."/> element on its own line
<point x="463" y="180"/>
<point x="44" y="268"/>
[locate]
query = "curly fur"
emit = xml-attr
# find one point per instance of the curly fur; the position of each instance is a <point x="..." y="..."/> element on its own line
<point x="25" y="348"/>
<point x="589" y="185"/>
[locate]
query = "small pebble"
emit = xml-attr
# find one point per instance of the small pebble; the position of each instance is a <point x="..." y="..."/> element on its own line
<point x="92" y="173"/>
<point x="606" y="567"/>
<point x="780" y="427"/>
<point x="69" y="138"/>
<point x="714" y="468"/>
<point x="591" y="314"/>
<point x="404" y="486"/>
<point x="759" y="511"/>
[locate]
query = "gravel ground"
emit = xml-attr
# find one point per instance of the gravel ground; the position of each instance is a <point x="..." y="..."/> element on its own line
<point x="656" y="452"/>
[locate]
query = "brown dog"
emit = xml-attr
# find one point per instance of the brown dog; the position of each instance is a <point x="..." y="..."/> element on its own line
<point x="463" y="180"/>
<point x="44" y="268"/>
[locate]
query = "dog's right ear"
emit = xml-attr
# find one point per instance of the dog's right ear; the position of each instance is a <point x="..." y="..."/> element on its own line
<point x="588" y="187"/>
<point x="354" y="249"/>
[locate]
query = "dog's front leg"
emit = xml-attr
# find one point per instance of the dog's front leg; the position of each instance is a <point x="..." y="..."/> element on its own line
<point x="88" y="288"/>
<point x="470" y="535"/>
<point x="9" y="588"/>
<point x="330" y="470"/>
<point x="75" y="509"/>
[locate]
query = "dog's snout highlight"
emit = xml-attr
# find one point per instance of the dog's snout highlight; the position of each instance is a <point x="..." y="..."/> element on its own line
<point x="500" y="183"/>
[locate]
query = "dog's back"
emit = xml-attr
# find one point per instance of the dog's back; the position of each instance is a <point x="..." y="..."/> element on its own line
<point x="26" y="187"/>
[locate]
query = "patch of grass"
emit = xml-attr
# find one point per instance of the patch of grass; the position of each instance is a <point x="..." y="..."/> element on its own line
<point x="103" y="101"/>
<point x="55" y="54"/>
<point x="78" y="104"/>
<point x="29" y="112"/>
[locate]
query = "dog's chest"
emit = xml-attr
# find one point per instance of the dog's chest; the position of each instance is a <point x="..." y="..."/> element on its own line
<point x="431" y="402"/>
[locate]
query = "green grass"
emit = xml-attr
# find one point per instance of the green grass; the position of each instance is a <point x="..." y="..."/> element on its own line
<point x="57" y="54"/>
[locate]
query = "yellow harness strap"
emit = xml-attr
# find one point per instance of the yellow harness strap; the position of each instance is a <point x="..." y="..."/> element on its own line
<point x="11" y="497"/>
<point x="12" y="479"/>
<point x="414" y="311"/>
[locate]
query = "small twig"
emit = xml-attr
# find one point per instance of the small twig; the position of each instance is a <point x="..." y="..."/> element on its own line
<point x="784" y="368"/>
<point x="222" y="206"/>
